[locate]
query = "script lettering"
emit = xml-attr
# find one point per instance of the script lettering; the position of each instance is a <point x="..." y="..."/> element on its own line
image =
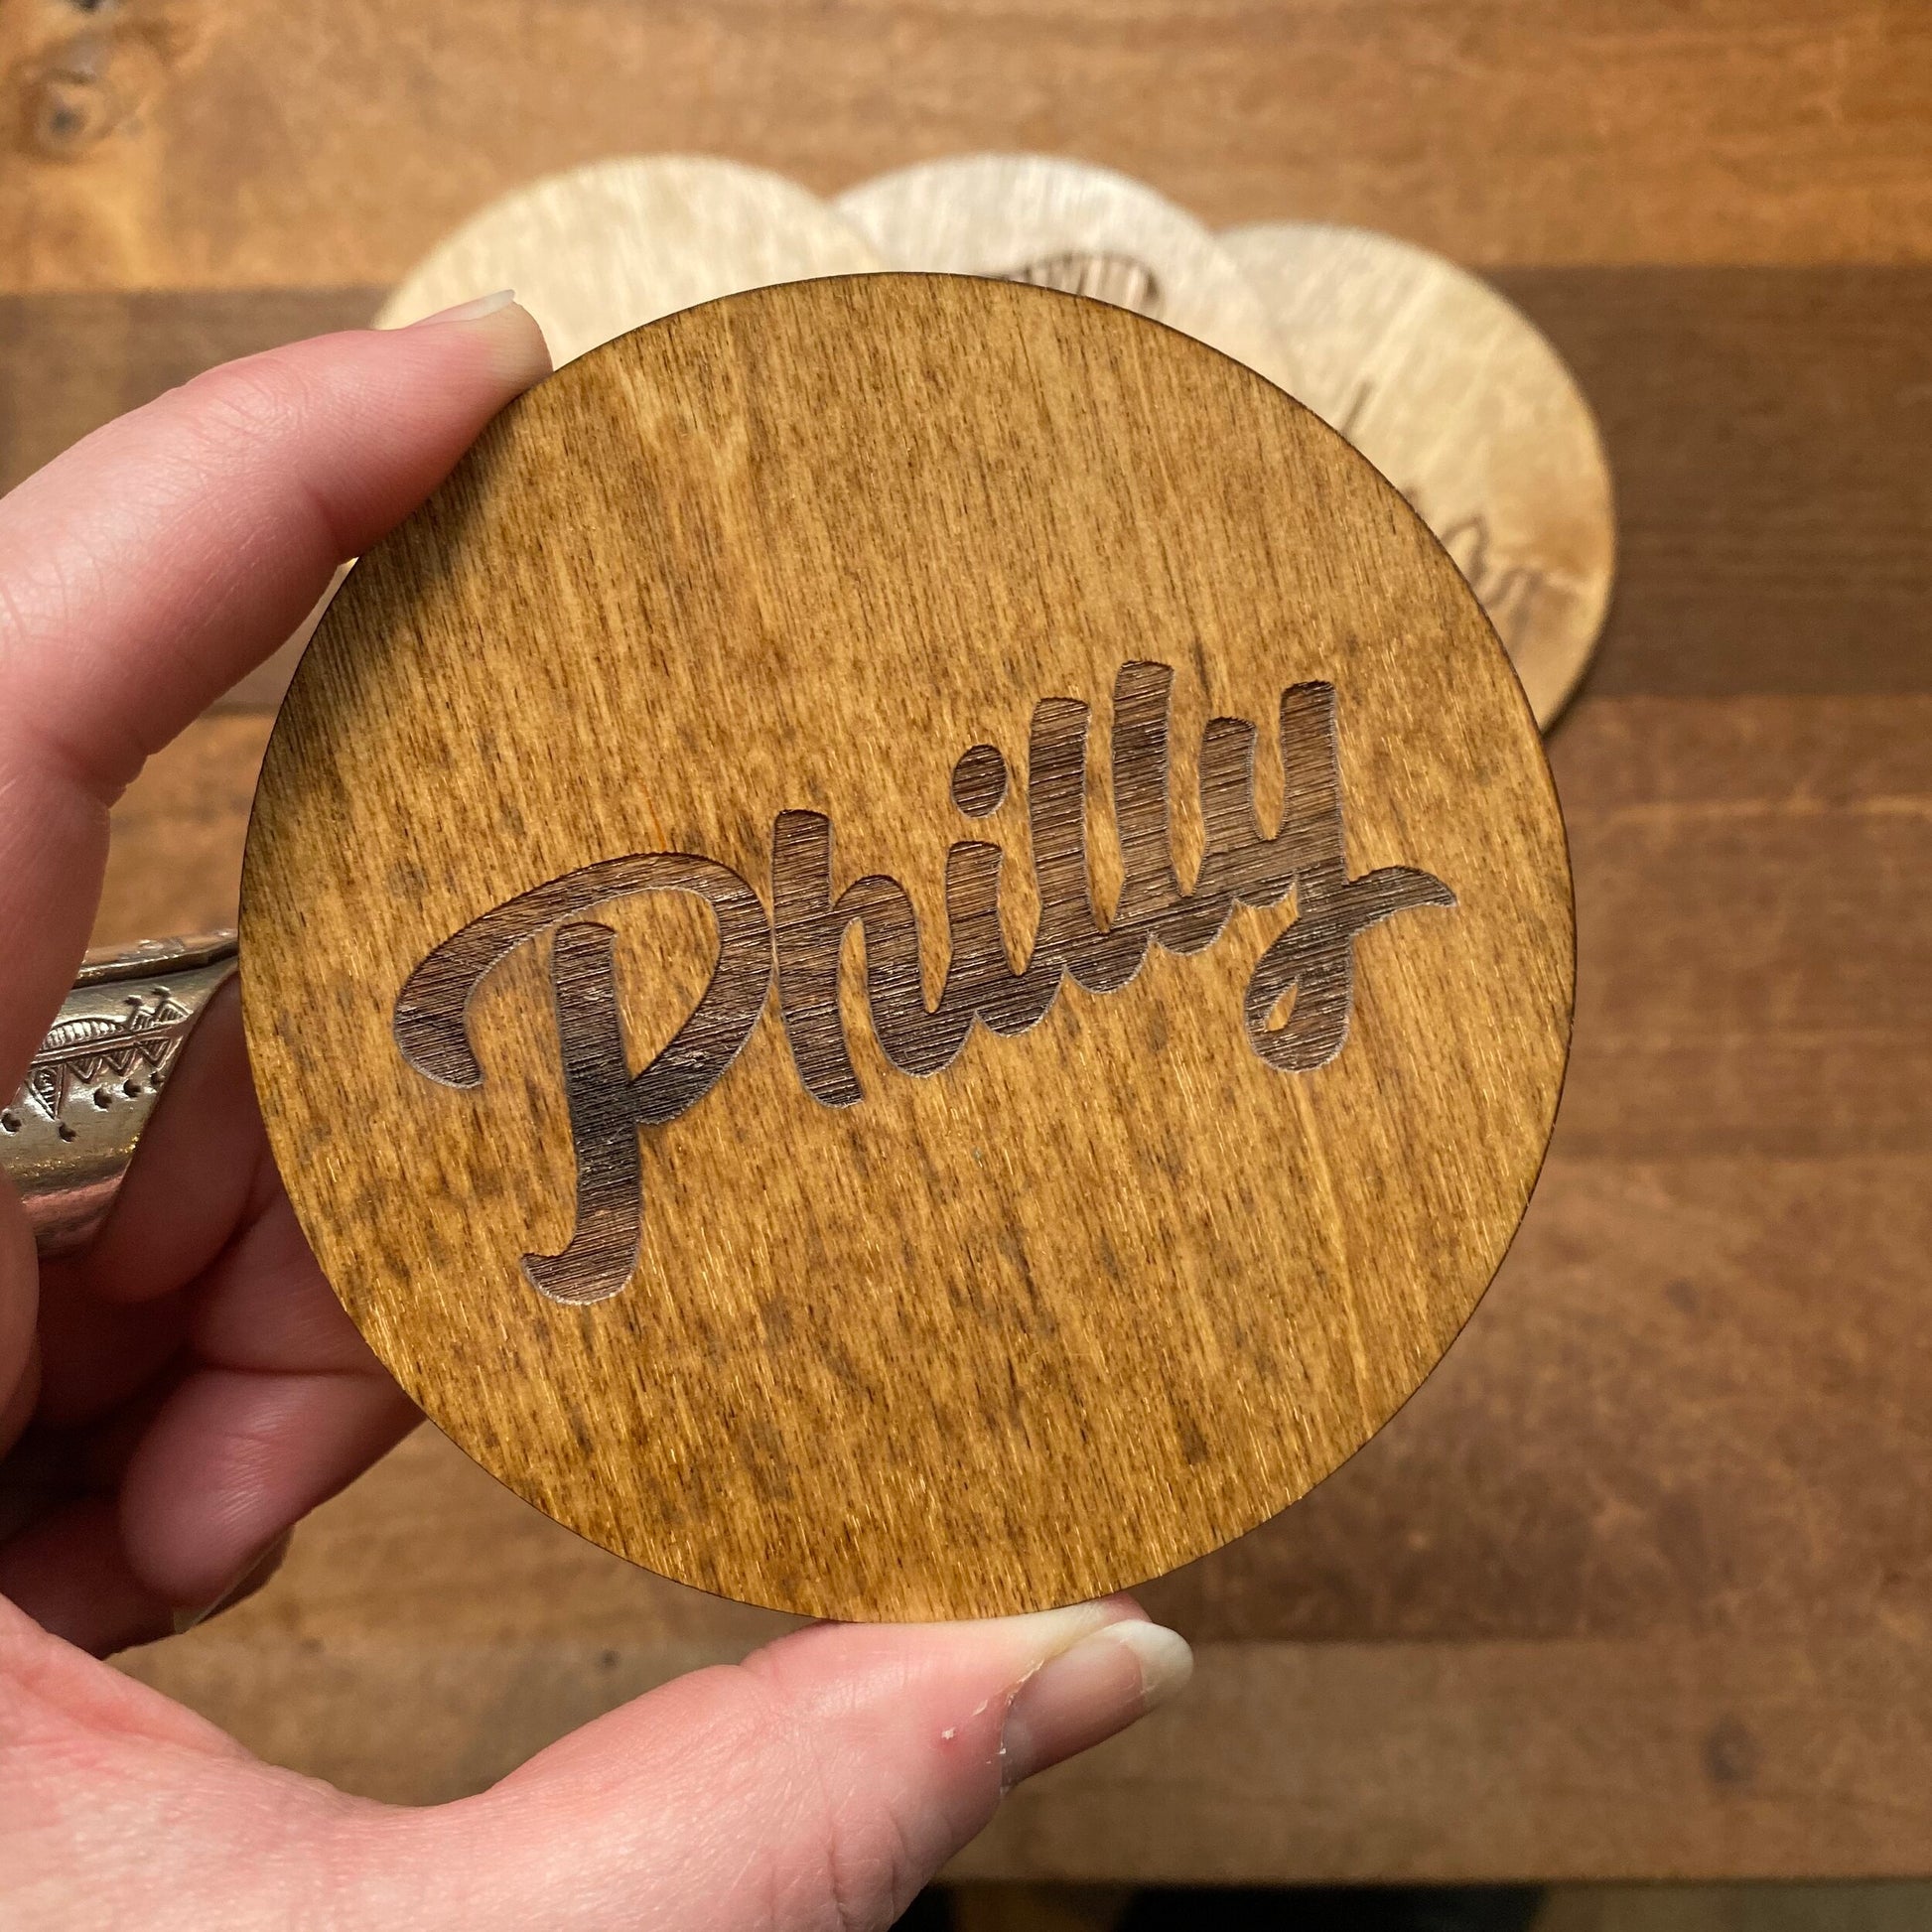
<point x="1309" y="966"/>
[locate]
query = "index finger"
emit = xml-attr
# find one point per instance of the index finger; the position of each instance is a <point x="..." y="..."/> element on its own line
<point x="145" y="570"/>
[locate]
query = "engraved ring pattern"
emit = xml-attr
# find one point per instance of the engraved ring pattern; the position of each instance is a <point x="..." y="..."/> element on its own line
<point x="68" y="1135"/>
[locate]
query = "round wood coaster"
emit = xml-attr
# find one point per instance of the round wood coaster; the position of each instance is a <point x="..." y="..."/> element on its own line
<point x="909" y="955"/>
<point x="1449" y="391"/>
<point x="618" y="243"/>
<point x="1062" y="224"/>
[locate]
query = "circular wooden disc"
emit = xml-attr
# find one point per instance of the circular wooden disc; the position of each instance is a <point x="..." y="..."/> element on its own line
<point x="618" y="243"/>
<point x="822" y="601"/>
<point x="1451" y="391"/>
<point x="1067" y="225"/>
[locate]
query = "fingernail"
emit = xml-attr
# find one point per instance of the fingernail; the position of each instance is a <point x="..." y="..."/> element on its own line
<point x="521" y="354"/>
<point x="483" y="305"/>
<point x="1090" y="1690"/>
<point x="245" y="1585"/>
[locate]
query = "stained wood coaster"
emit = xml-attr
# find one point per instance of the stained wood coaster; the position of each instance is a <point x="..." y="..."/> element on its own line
<point x="1065" y="225"/>
<point x="1454" y="394"/>
<point x="618" y="243"/>
<point x="909" y="955"/>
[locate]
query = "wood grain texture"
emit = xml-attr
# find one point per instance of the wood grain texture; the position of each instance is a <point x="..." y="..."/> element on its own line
<point x="81" y="75"/>
<point x="1447" y="388"/>
<point x="617" y="243"/>
<point x="1766" y="429"/>
<point x="1472" y="1764"/>
<point x="1090" y="1298"/>
<point x="332" y="144"/>
<point x="1780" y="1087"/>
<point x="1900" y="1905"/>
<point x="1681" y="1406"/>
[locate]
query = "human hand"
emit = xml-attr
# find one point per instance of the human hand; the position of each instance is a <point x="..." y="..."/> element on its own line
<point x="179" y="1394"/>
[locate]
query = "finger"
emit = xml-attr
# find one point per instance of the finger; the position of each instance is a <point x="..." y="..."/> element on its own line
<point x="821" y="1783"/>
<point x="168" y="552"/>
<point x="285" y="1406"/>
<point x="201" y="1166"/>
<point x="271" y="1407"/>
<point x="232" y="1460"/>
<point x="280" y="1403"/>
<point x="114" y="1312"/>
<point x="111" y="1317"/>
<point x="17" y="1409"/>
<point x="69" y="1573"/>
<point x="62" y="1554"/>
<point x="266" y="1307"/>
<point x="817" y="1785"/>
<point x="155" y="562"/>
<point x="20" y="1366"/>
<point x="256" y="1578"/>
<point x="97" y="1355"/>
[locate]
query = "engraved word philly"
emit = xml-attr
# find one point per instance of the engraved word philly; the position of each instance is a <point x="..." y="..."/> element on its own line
<point x="1313" y="958"/>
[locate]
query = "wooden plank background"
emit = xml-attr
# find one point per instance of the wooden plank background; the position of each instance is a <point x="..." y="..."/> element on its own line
<point x="1638" y="1585"/>
<point x="294" y="144"/>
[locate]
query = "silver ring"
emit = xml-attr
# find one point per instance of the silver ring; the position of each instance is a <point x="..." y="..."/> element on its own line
<point x="68" y="1136"/>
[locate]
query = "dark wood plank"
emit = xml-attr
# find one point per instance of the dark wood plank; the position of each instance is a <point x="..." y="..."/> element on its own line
<point x="69" y="362"/>
<point x="174" y="862"/>
<point x="429" y="1632"/>
<point x="1768" y="431"/>
<point x="1458" y="1763"/>
<point x="1754" y="934"/>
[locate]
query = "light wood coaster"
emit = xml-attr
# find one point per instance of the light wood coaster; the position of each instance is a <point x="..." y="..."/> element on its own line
<point x="909" y="955"/>
<point x="618" y="243"/>
<point x="1066" y="225"/>
<point x="1451" y="391"/>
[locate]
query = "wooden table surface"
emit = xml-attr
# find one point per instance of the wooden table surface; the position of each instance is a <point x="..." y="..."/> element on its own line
<point x="1641" y="1584"/>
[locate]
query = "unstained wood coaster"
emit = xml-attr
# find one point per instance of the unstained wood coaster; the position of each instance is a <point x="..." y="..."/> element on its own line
<point x="1457" y="397"/>
<point x="1068" y="225"/>
<point x="609" y="247"/>
<point x="910" y="954"/>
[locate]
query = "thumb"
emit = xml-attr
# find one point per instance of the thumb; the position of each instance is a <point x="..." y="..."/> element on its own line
<point x="819" y="1784"/>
